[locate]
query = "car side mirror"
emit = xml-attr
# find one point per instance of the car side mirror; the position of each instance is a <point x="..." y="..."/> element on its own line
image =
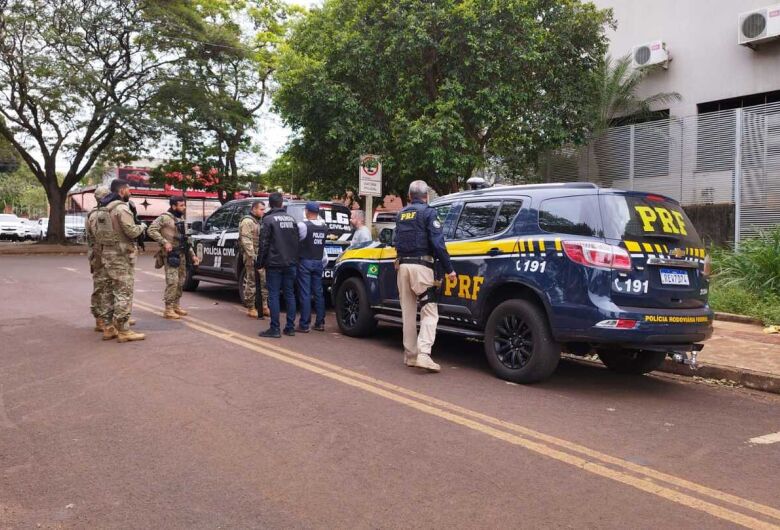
<point x="386" y="236"/>
<point x="197" y="226"/>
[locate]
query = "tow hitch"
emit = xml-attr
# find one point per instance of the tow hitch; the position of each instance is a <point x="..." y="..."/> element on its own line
<point x="688" y="357"/>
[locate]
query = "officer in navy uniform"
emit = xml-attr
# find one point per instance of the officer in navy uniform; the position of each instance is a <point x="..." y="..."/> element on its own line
<point x="278" y="255"/>
<point x="312" y="233"/>
<point x="419" y="242"/>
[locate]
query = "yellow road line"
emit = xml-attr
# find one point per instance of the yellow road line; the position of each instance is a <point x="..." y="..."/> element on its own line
<point x="386" y="390"/>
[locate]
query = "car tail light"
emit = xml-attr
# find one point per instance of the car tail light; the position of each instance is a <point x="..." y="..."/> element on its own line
<point x="599" y="255"/>
<point x="621" y="323"/>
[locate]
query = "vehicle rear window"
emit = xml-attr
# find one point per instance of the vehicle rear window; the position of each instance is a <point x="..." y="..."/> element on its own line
<point x="577" y="215"/>
<point x="638" y="217"/>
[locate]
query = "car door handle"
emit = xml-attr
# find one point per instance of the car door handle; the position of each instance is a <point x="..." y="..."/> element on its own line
<point x="494" y="251"/>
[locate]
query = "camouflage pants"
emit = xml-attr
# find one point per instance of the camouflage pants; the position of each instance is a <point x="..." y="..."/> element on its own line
<point x="119" y="265"/>
<point x="100" y="302"/>
<point x="249" y="288"/>
<point x="174" y="281"/>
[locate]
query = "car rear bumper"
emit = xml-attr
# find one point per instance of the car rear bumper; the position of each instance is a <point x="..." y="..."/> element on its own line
<point x="654" y="328"/>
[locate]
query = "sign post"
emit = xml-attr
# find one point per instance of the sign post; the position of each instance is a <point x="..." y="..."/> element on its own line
<point x="370" y="184"/>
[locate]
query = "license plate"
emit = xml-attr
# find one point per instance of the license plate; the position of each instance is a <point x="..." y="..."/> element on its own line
<point x="674" y="277"/>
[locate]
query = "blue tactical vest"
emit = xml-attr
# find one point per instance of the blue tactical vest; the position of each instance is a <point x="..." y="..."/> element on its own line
<point x="411" y="231"/>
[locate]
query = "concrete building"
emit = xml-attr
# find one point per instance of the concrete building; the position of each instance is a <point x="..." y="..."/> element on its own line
<point x="709" y="69"/>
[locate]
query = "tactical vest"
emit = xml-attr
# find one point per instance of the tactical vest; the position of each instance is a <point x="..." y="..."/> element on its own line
<point x="313" y="245"/>
<point x="255" y="230"/>
<point x="411" y="231"/>
<point x="102" y="226"/>
<point x="119" y="233"/>
<point x="168" y="230"/>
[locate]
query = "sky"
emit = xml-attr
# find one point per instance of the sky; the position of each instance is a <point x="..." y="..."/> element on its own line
<point x="272" y="136"/>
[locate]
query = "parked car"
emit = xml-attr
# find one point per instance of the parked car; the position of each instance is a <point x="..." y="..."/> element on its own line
<point x="43" y="225"/>
<point x="11" y="227"/>
<point x="548" y="268"/>
<point x="31" y="229"/>
<point x="384" y="220"/>
<point x="216" y="241"/>
<point x="75" y="228"/>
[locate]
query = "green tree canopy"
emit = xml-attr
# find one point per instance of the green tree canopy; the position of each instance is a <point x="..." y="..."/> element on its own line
<point x="76" y="79"/>
<point x="436" y="88"/>
<point x="212" y="101"/>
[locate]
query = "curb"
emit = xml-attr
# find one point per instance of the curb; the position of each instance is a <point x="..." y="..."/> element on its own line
<point x="762" y="381"/>
<point x="740" y="319"/>
<point x="746" y="378"/>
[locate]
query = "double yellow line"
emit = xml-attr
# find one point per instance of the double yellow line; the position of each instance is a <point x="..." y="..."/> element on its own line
<point x="675" y="489"/>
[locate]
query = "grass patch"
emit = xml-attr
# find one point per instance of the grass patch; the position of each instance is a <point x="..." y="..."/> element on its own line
<point x="731" y="299"/>
<point x="748" y="282"/>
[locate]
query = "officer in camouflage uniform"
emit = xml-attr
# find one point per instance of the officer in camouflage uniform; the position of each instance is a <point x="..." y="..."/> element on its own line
<point x="168" y="230"/>
<point x="116" y="233"/>
<point x="249" y="241"/>
<point x="101" y="284"/>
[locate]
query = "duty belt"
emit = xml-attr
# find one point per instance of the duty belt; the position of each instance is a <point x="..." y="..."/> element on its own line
<point x="417" y="260"/>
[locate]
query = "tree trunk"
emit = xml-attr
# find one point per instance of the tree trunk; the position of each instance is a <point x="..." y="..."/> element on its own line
<point x="56" y="231"/>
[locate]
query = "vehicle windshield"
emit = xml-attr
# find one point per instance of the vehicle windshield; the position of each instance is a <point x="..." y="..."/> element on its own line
<point x="336" y="216"/>
<point x="646" y="216"/>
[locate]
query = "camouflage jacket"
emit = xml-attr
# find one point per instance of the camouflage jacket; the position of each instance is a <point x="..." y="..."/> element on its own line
<point x="163" y="230"/>
<point x="249" y="236"/>
<point x="124" y="224"/>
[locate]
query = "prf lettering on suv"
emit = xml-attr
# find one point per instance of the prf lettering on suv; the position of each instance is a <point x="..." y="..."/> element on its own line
<point x="551" y="268"/>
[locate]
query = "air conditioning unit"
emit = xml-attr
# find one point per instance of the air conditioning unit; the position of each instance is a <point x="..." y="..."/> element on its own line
<point x="650" y="54"/>
<point x="759" y="26"/>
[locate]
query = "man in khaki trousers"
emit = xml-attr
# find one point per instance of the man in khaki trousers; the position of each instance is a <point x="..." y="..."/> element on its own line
<point x="419" y="242"/>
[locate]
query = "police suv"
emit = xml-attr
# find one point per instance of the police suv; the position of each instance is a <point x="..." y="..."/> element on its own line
<point x="548" y="268"/>
<point x="216" y="241"/>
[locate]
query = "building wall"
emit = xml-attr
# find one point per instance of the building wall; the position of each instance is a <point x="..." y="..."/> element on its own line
<point x="701" y="35"/>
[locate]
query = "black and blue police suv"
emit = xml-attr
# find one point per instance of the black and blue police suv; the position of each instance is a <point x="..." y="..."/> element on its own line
<point x="548" y="268"/>
<point x="216" y="242"/>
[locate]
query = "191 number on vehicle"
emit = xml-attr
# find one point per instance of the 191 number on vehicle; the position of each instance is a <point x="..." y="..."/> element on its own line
<point x="531" y="266"/>
<point x="631" y="286"/>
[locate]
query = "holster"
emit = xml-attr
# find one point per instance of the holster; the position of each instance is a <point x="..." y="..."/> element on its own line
<point x="173" y="259"/>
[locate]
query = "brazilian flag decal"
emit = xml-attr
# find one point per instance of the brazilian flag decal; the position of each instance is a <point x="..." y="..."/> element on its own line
<point x="373" y="270"/>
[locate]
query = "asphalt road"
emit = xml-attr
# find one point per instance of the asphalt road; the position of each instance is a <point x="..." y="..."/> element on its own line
<point x="204" y="425"/>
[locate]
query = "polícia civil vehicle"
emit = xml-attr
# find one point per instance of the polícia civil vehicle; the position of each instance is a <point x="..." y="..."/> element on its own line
<point x="548" y="268"/>
<point x="215" y="242"/>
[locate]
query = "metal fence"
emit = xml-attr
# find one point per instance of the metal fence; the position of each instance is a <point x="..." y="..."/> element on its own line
<point x="729" y="157"/>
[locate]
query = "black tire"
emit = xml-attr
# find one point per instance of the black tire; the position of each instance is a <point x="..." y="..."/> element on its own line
<point x="241" y="275"/>
<point x="518" y="343"/>
<point x="625" y="361"/>
<point x="353" y="311"/>
<point x="190" y="284"/>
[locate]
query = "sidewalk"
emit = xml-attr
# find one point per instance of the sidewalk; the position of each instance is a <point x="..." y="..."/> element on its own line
<point x="38" y="249"/>
<point x="737" y="352"/>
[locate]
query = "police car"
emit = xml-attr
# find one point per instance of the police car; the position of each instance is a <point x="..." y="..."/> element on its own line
<point x="216" y="241"/>
<point x="548" y="268"/>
